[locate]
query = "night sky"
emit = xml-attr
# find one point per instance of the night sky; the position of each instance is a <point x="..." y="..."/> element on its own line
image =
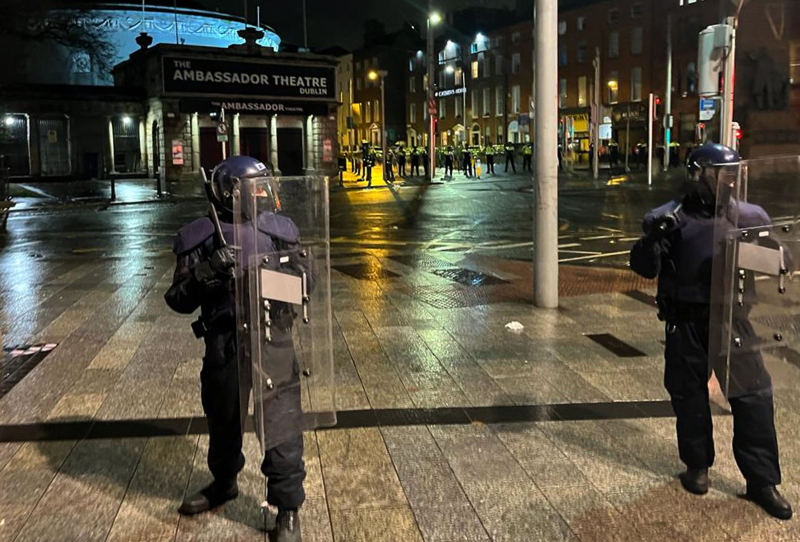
<point x="339" y="22"/>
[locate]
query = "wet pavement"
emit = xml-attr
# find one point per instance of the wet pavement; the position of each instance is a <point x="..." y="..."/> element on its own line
<point x="452" y="428"/>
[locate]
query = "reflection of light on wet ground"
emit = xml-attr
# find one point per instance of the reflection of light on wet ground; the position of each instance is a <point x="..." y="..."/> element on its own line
<point x="615" y="181"/>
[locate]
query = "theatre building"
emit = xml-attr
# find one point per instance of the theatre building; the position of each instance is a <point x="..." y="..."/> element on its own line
<point x="173" y="109"/>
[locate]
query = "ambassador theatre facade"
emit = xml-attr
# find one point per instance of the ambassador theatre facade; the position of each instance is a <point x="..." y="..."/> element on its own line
<point x="204" y="103"/>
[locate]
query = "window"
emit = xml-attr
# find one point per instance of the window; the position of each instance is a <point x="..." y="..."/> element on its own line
<point x="425" y="82"/>
<point x="459" y="74"/>
<point x="562" y="93"/>
<point x="582" y="51"/>
<point x="441" y="78"/>
<point x="562" y="54"/>
<point x="515" y="99"/>
<point x="358" y="66"/>
<point x="499" y="101"/>
<point x="412" y="113"/>
<point x="474" y="104"/>
<point x="515" y="37"/>
<point x="499" y="41"/>
<point x="442" y="110"/>
<point x="377" y="111"/>
<point x="487" y="102"/>
<point x="581" y="23"/>
<point x="562" y="28"/>
<point x="412" y="84"/>
<point x="499" y="135"/>
<point x="636" y="40"/>
<point x="636" y="84"/>
<point x="498" y="65"/>
<point x="582" y="91"/>
<point x="637" y="10"/>
<point x="613" y="87"/>
<point x="368" y="114"/>
<point x="515" y="63"/>
<point x="487" y="71"/>
<point x="358" y="84"/>
<point x="613" y="16"/>
<point x="425" y="113"/>
<point x="474" y="69"/>
<point x="691" y="78"/>
<point x="411" y="64"/>
<point x="613" y="45"/>
<point x="487" y="135"/>
<point x="459" y="104"/>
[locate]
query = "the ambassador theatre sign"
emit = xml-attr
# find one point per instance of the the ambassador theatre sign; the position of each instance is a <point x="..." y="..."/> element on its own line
<point x="217" y="77"/>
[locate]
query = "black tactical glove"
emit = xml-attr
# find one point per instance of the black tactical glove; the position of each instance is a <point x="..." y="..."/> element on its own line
<point x="661" y="225"/>
<point x="217" y="268"/>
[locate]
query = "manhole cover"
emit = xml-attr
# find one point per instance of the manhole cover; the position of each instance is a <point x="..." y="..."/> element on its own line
<point x="17" y="362"/>
<point x="366" y="271"/>
<point x="467" y="277"/>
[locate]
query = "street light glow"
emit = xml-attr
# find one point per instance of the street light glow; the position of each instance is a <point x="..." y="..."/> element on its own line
<point x="373" y="75"/>
<point x="479" y="37"/>
<point x="126" y="119"/>
<point x="435" y="18"/>
<point x="9" y="120"/>
<point x="450" y="69"/>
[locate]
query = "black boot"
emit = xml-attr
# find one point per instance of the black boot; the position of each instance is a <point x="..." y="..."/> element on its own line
<point x="773" y="503"/>
<point x="695" y="481"/>
<point x="209" y="497"/>
<point x="288" y="522"/>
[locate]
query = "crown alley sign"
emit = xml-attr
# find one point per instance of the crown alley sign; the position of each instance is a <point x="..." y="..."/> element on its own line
<point x="207" y="76"/>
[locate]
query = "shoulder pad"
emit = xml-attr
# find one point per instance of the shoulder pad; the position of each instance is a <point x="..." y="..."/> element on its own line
<point x="751" y="215"/>
<point x="652" y="214"/>
<point x="278" y="226"/>
<point x="193" y="235"/>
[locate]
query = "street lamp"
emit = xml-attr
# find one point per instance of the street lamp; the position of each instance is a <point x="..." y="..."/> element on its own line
<point x="373" y="76"/>
<point x="433" y="19"/>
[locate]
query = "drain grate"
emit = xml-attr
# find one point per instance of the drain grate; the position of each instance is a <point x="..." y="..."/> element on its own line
<point x="366" y="271"/>
<point x="420" y="261"/>
<point x="468" y="277"/>
<point x="18" y="362"/>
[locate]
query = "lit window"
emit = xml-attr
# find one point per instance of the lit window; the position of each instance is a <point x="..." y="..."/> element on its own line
<point x="474" y="69"/>
<point x="499" y="101"/>
<point x="412" y="84"/>
<point x="377" y="111"/>
<point x="459" y="104"/>
<point x="368" y="115"/>
<point x="487" y="102"/>
<point x="562" y="28"/>
<point x="613" y="87"/>
<point x="582" y="91"/>
<point x="412" y="113"/>
<point x="442" y="109"/>
<point x="474" y="104"/>
<point x="581" y="23"/>
<point x="515" y="99"/>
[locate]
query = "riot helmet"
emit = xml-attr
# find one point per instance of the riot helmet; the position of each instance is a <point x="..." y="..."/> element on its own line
<point x="707" y="168"/>
<point x="251" y="177"/>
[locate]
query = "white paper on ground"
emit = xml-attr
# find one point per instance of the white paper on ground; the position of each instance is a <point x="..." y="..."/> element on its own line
<point x="514" y="326"/>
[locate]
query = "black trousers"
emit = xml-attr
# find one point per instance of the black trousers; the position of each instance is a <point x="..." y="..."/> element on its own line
<point x="526" y="162"/>
<point x="468" y="167"/>
<point x="510" y="160"/>
<point x="401" y="167"/>
<point x="755" y="444"/>
<point x="448" y="168"/>
<point x="219" y="381"/>
<point x="489" y="164"/>
<point x="415" y="168"/>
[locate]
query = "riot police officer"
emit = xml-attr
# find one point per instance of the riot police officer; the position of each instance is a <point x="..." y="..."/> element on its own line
<point x="489" y="159"/>
<point x="401" y="162"/>
<point x="448" y="162"/>
<point x="466" y="157"/>
<point x="510" y="157"/>
<point x="527" y="157"/>
<point x="204" y="278"/>
<point x="415" y="162"/>
<point x="678" y="248"/>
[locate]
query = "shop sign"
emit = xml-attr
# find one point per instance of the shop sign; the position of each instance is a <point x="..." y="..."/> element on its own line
<point x="605" y="131"/>
<point x="580" y="122"/>
<point x="209" y="76"/>
<point x="708" y="108"/>
<point x="450" y="92"/>
<point x="253" y="107"/>
<point x="177" y="152"/>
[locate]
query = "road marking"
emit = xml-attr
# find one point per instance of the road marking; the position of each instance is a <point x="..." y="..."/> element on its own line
<point x="591" y="257"/>
<point x="569" y="245"/>
<point x="598" y="237"/>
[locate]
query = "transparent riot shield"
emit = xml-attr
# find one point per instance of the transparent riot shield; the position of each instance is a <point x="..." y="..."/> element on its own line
<point x="284" y="318"/>
<point x="755" y="298"/>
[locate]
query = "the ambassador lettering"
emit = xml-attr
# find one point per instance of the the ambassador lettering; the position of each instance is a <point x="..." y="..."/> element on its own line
<point x="305" y="85"/>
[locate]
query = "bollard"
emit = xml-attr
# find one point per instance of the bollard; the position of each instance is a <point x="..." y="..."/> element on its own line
<point x="113" y="189"/>
<point x="478" y="168"/>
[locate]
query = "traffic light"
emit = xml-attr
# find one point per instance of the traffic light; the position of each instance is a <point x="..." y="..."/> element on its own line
<point x="659" y="108"/>
<point x="436" y="125"/>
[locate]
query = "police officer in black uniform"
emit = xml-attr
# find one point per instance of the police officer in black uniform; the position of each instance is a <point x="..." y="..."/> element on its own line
<point x="204" y="279"/>
<point x="415" y="162"/>
<point x="510" y="157"/>
<point x="678" y="248"/>
<point x="466" y="157"/>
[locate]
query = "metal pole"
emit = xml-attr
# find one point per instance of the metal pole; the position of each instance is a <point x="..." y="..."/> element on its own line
<point x="224" y="150"/>
<point x="668" y="97"/>
<point x="545" y="276"/>
<point x="726" y="137"/>
<point x="628" y="140"/>
<point x="305" y="26"/>
<point x="431" y="131"/>
<point x="386" y="163"/>
<point x="596" y="117"/>
<point x="177" y="37"/>
<point x="651" y="111"/>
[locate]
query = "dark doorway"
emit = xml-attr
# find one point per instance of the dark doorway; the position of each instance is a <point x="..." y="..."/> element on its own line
<point x="89" y="166"/>
<point x="253" y="143"/>
<point x="290" y="151"/>
<point x="211" y="149"/>
<point x="156" y="150"/>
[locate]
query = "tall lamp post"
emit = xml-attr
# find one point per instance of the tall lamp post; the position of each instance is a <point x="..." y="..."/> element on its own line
<point x="374" y="75"/>
<point x="433" y="19"/>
